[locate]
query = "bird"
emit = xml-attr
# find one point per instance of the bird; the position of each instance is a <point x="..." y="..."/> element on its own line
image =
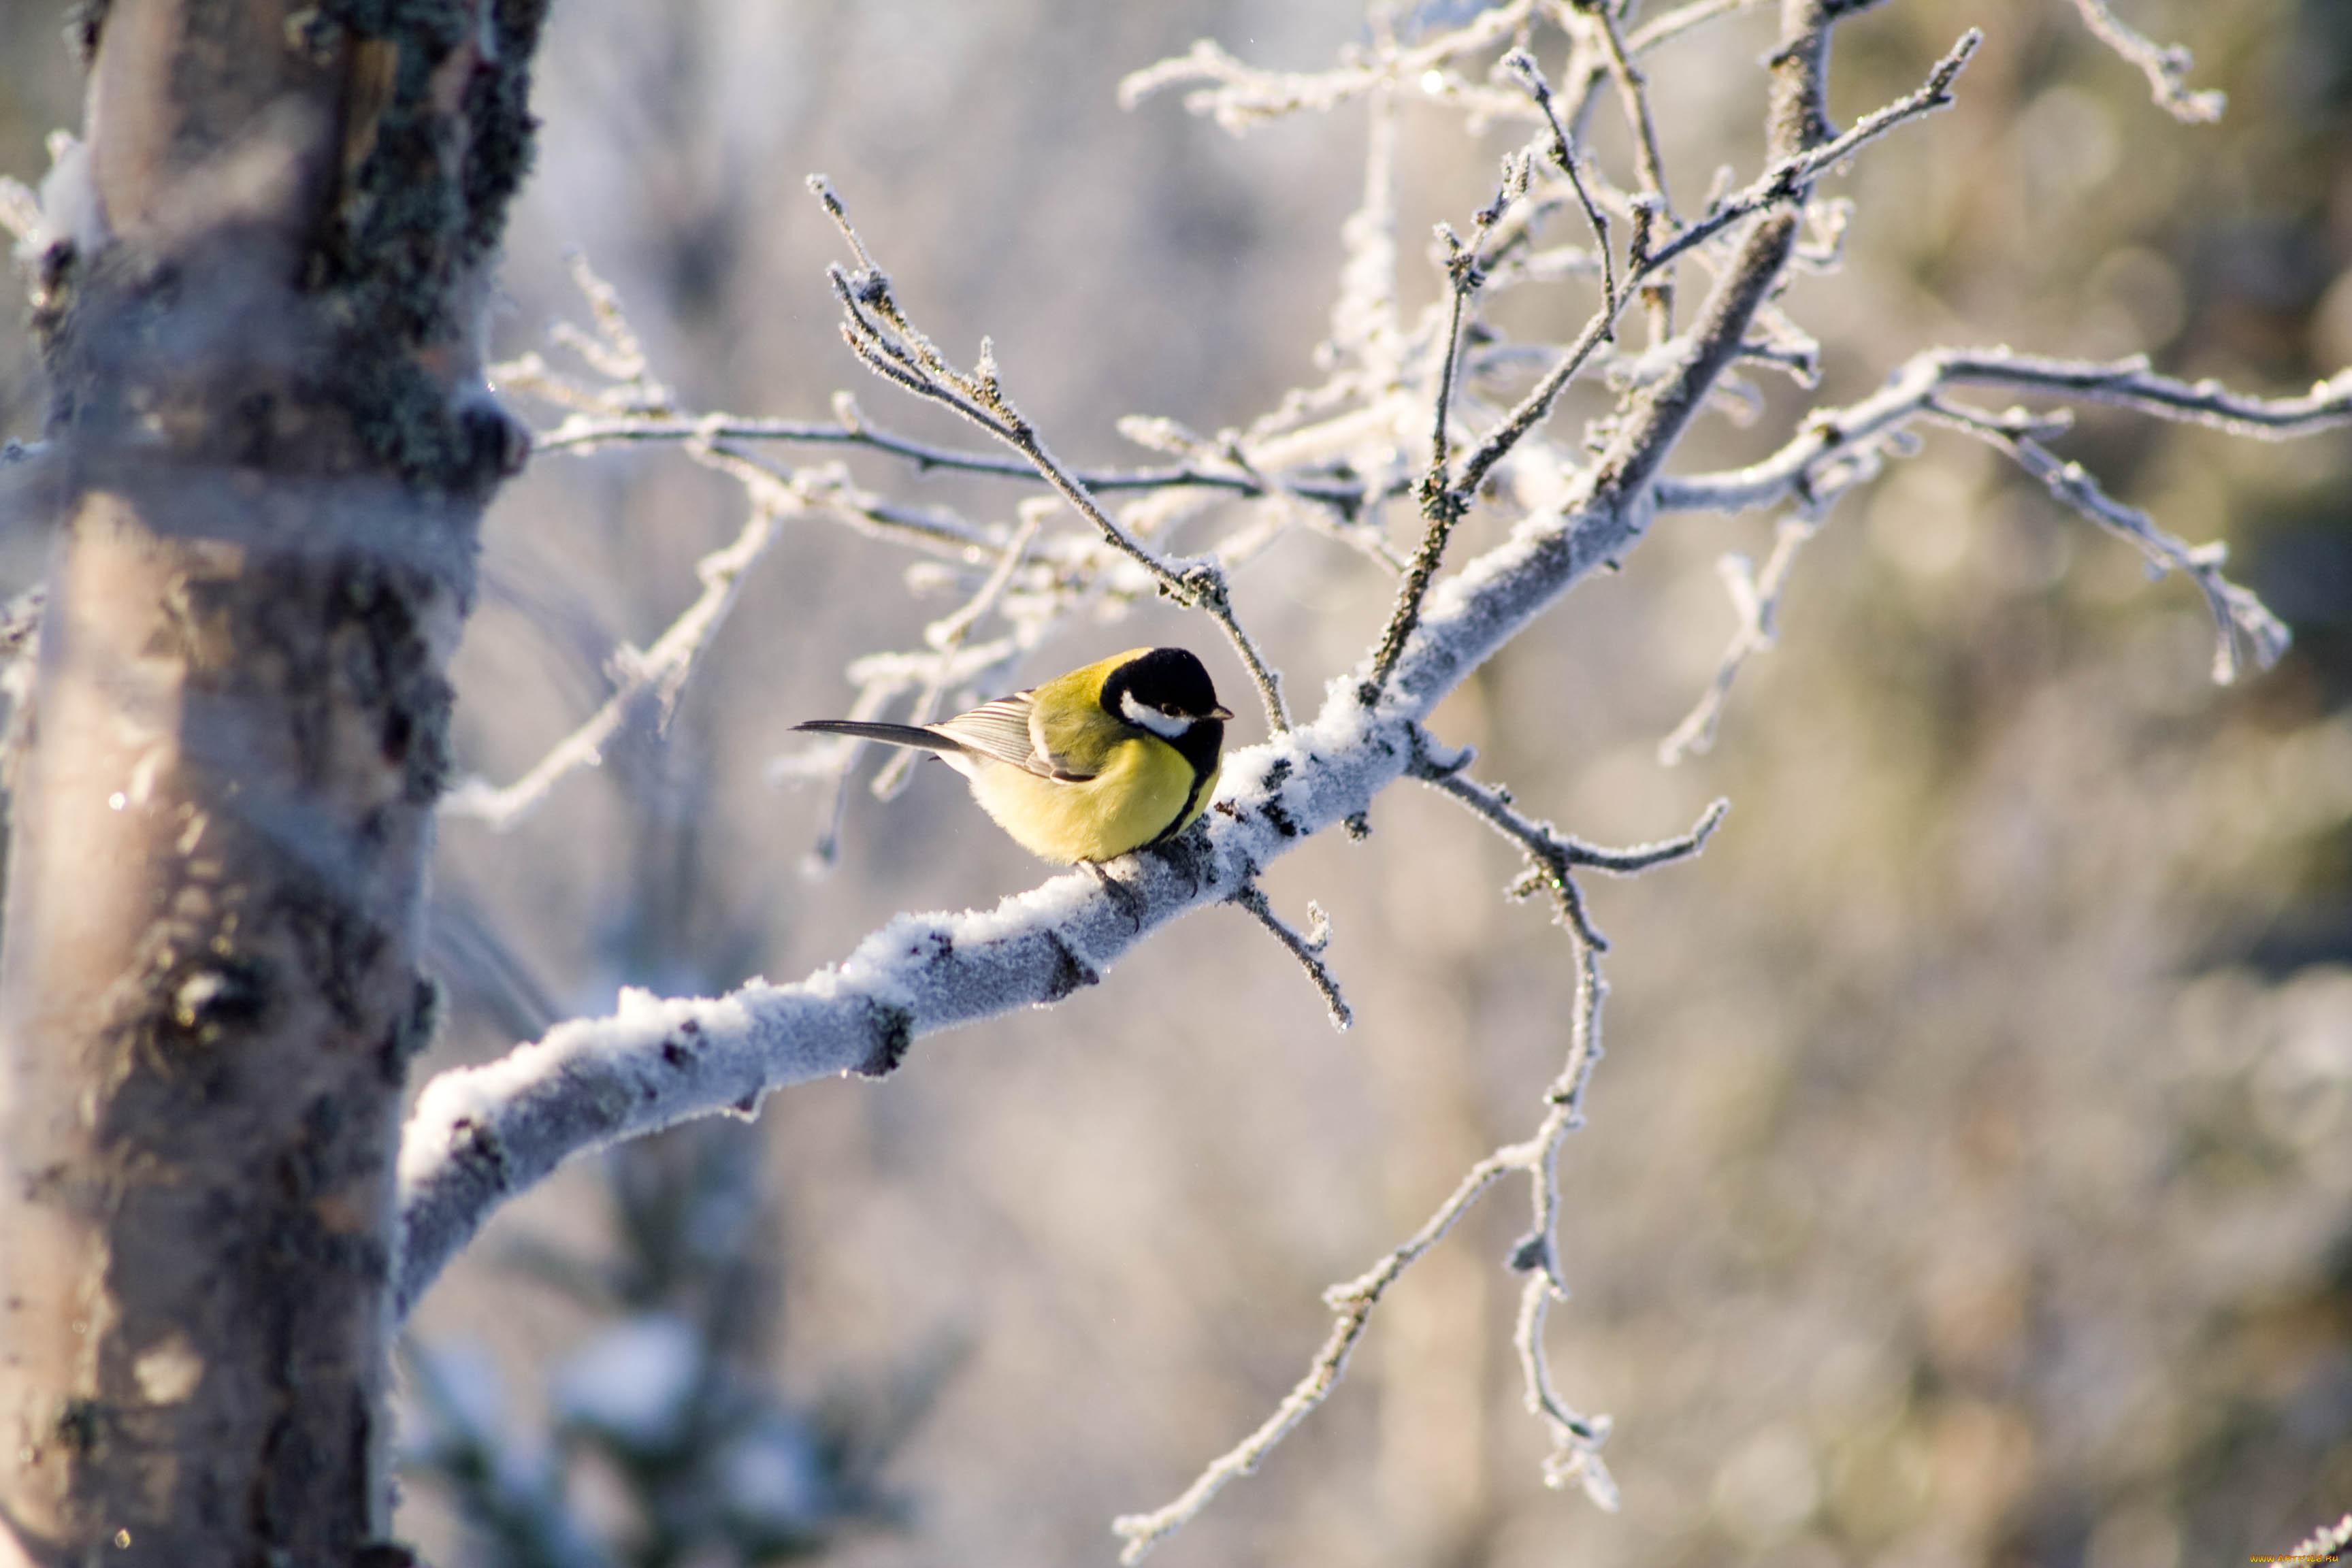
<point x="1121" y="753"/>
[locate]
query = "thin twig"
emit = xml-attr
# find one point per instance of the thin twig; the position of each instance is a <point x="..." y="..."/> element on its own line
<point x="1307" y="947"/>
<point x="1787" y="179"/>
<point x="586" y="432"/>
<point x="659" y="671"/>
<point x="879" y="333"/>
<point x="1352" y="1302"/>
<point x="947" y="636"/>
<point x="1755" y="599"/>
<point x="1563" y="152"/>
<point x="1242" y="96"/>
<point x="1844" y="435"/>
<point x="1633" y="91"/>
<point x="1554" y="855"/>
<point x="1442" y="504"/>
<point x="1576" y="1439"/>
<point x="1673" y="24"/>
<point x="2167" y="67"/>
<point x="2238" y="615"/>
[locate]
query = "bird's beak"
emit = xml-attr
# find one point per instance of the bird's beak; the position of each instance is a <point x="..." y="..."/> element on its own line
<point x="1220" y="711"/>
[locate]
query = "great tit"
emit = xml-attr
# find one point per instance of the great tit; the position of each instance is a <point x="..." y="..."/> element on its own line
<point x="1090" y="764"/>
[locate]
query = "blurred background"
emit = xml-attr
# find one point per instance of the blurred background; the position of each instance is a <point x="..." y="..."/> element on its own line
<point x="1969" y="1180"/>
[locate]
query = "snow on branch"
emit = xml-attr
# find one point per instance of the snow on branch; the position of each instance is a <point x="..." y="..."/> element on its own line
<point x="2167" y="67"/>
<point x="1839" y="449"/>
<point x="657" y="673"/>
<point x="878" y="332"/>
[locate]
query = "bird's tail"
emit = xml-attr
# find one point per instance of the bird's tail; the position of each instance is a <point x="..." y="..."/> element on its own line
<point x="888" y="734"/>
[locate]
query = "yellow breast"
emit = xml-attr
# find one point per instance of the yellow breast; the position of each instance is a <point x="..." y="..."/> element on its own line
<point x="1140" y="794"/>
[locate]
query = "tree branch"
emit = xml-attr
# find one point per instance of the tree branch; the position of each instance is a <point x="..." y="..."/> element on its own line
<point x="878" y="333"/>
<point x="1307" y="947"/>
<point x="2167" y="68"/>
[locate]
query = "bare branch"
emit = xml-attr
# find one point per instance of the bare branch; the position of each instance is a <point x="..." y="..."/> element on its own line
<point x="658" y="672"/>
<point x="1673" y="24"/>
<point x="2167" y="67"/>
<point x="881" y="335"/>
<point x="1740" y="291"/>
<point x="1443" y="503"/>
<point x="1307" y="949"/>
<point x="1241" y="97"/>
<point x="947" y="636"/>
<point x="587" y="431"/>
<point x="2238" y="615"/>
<point x="1633" y="91"/>
<point x="1564" y="153"/>
<point x="1787" y="179"/>
<point x="1843" y="437"/>
<point x="1352" y="1301"/>
<point x="1839" y="449"/>
<point x="1755" y="599"/>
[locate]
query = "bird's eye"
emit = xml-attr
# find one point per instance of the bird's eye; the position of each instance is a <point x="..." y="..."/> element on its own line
<point x="1172" y="710"/>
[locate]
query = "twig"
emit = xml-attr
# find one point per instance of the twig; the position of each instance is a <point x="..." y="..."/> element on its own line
<point x="586" y="432"/>
<point x="1674" y="23"/>
<point x="1307" y="947"/>
<point x="1755" y="599"/>
<point x="660" y="670"/>
<point x="1243" y="96"/>
<point x="1553" y="857"/>
<point x="1352" y="1302"/>
<point x="1563" y="152"/>
<point x="1576" y="1439"/>
<point x="2167" y="67"/>
<point x="1443" y="504"/>
<point x="1787" y="179"/>
<point x="879" y="333"/>
<point x="947" y="637"/>
<point x="1633" y="91"/>
<point x="1833" y="436"/>
<point x="2238" y="614"/>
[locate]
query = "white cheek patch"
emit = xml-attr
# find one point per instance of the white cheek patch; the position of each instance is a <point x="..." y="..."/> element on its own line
<point x="1166" y="726"/>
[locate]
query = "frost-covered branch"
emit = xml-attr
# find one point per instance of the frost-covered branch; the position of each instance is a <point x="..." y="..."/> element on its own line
<point x="879" y="333"/>
<point x="1838" y="449"/>
<point x="584" y="431"/>
<point x="1756" y="600"/>
<point x="2166" y="66"/>
<point x="1307" y="947"/>
<point x="1351" y="1303"/>
<point x="1240" y="96"/>
<point x="1577" y="1438"/>
<point x="2238" y="615"/>
<point x="1841" y="446"/>
<point x="657" y="673"/>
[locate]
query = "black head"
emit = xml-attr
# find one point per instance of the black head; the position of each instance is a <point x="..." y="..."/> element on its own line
<point x="1168" y="692"/>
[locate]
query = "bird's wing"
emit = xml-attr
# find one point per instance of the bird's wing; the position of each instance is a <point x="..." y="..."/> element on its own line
<point x="1006" y="730"/>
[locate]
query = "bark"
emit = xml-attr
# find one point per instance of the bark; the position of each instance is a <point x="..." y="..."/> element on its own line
<point x="268" y="454"/>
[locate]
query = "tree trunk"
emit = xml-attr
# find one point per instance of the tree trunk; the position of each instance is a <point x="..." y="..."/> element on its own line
<point x="268" y="454"/>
